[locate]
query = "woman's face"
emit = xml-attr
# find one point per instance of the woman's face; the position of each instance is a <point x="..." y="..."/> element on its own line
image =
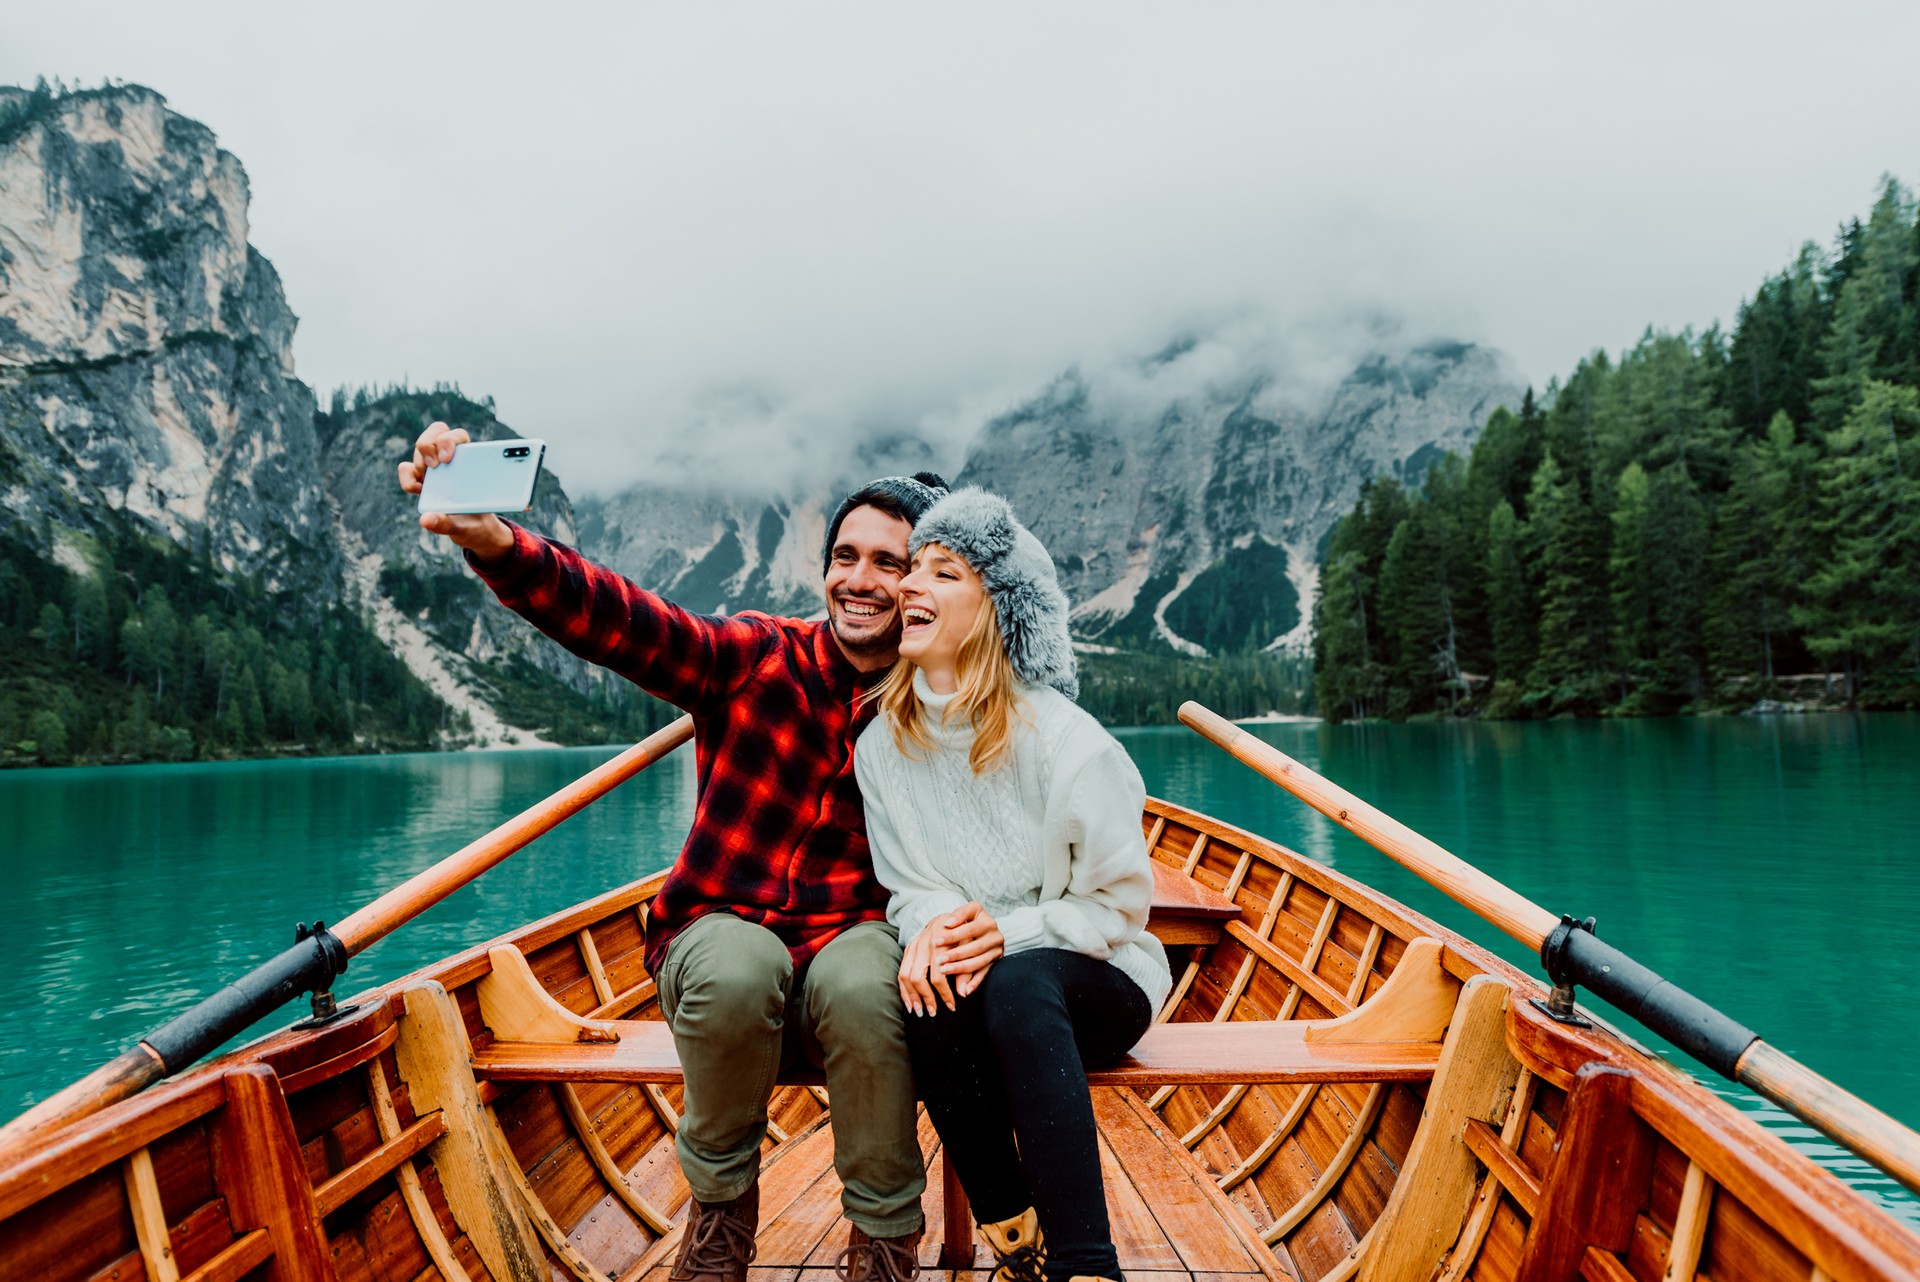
<point x="940" y="598"/>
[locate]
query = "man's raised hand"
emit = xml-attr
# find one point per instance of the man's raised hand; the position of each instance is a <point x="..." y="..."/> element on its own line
<point x="483" y="534"/>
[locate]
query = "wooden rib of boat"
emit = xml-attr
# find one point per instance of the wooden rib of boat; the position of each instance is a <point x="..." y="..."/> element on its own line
<point x="473" y="1121"/>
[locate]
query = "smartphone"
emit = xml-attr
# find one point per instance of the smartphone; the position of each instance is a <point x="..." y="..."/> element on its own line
<point x="484" y="476"/>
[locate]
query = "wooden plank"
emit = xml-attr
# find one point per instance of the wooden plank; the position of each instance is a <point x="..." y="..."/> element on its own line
<point x="1598" y="1266"/>
<point x="1504" y="1164"/>
<point x="294" y="1083"/>
<point x="412" y="1192"/>
<point x="383" y="1161"/>
<point x="956" y="1219"/>
<point x="49" y="1163"/>
<point x="1242" y="1051"/>
<point x="624" y="1004"/>
<point x="149" y="1218"/>
<point x="1334" y="1171"/>
<point x="536" y="1211"/>
<point x="242" y="1257"/>
<point x="432" y="1057"/>
<point x="1434" y="1190"/>
<point x="1188" y="1218"/>
<point x="1178" y="895"/>
<point x="1689" y="1226"/>
<point x="590" y="957"/>
<point x="257" y="1165"/>
<point x="596" y="1151"/>
<point x="1487" y="1200"/>
<point x="1598" y="1181"/>
<point x="1138" y="1238"/>
<point x="1315" y="987"/>
<point x="1176" y="1159"/>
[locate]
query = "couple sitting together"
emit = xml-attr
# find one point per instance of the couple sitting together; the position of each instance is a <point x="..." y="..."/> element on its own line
<point x="914" y="861"/>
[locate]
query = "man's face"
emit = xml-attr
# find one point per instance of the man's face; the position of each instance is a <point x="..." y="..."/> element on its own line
<point x="863" y="580"/>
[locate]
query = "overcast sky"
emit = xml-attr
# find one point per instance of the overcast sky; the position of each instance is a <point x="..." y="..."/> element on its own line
<point x="778" y="222"/>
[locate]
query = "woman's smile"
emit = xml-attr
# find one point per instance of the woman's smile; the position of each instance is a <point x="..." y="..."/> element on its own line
<point x="940" y="598"/>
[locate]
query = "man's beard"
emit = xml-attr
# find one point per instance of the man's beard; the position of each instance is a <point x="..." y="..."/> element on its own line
<point x="872" y="643"/>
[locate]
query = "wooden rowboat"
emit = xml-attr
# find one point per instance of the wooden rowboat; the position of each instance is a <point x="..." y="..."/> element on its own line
<point x="1338" y="1088"/>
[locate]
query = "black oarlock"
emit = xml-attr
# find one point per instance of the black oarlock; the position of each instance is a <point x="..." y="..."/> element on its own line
<point x="311" y="965"/>
<point x="1553" y="953"/>
<point x="1573" y="955"/>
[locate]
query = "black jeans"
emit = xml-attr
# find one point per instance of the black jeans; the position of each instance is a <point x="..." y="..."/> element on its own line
<point x="1005" y="1081"/>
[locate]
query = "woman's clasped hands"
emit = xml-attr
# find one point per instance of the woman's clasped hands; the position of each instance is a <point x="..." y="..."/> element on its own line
<point x="959" y="947"/>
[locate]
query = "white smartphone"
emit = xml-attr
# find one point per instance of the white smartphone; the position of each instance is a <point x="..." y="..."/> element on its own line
<point x="484" y="476"/>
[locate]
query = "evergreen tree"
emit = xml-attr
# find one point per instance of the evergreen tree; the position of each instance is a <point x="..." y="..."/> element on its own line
<point x="1510" y="597"/>
<point x="1757" y="560"/>
<point x="1872" y="312"/>
<point x="1571" y="666"/>
<point x="1863" y="610"/>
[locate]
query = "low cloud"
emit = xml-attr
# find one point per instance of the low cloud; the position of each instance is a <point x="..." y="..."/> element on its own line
<point x="679" y="238"/>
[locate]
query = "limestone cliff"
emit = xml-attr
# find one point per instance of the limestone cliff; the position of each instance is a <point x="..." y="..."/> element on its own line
<point x="146" y="360"/>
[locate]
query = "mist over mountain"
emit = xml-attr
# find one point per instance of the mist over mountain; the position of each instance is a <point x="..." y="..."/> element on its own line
<point x="1184" y="494"/>
<point x="149" y="408"/>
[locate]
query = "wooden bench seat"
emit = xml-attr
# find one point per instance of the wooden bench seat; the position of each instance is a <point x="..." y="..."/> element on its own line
<point x="1169" y="1054"/>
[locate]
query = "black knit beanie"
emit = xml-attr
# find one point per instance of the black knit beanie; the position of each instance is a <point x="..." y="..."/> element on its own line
<point x="907" y="497"/>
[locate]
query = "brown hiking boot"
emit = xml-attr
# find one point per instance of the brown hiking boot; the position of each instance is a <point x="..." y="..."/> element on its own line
<point x="879" y="1259"/>
<point x="717" y="1243"/>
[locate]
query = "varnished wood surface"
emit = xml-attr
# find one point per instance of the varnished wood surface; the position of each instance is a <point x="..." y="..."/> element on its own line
<point x="1178" y="896"/>
<point x="1170" y="1053"/>
<point x="1271" y="1133"/>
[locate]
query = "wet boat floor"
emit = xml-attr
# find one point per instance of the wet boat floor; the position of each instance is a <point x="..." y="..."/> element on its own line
<point x="1166" y="1226"/>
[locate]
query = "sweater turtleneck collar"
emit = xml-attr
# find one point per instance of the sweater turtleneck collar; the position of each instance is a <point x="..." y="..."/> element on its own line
<point x="936" y="704"/>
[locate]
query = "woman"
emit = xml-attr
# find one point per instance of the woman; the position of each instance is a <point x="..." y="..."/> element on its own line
<point x="1006" y="824"/>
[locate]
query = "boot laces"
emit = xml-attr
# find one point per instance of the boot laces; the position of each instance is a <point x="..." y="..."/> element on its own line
<point x="717" y="1243"/>
<point x="881" y="1259"/>
<point x="1022" y="1264"/>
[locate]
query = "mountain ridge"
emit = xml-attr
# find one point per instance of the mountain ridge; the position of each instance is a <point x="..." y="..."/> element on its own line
<point x="148" y="392"/>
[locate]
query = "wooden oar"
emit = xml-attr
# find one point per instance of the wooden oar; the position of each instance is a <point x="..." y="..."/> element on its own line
<point x="1820" y="1103"/>
<point x="183" y="1039"/>
<point x="425" y="889"/>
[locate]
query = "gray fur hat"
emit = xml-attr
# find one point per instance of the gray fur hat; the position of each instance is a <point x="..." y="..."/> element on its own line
<point x="1019" y="577"/>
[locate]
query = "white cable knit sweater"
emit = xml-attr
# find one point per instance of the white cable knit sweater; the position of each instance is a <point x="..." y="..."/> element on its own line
<point x="1048" y="841"/>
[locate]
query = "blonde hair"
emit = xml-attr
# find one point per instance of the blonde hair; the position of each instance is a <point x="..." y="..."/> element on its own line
<point x="987" y="697"/>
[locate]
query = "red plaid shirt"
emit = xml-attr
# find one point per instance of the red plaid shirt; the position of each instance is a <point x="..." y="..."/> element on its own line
<point x="779" y="833"/>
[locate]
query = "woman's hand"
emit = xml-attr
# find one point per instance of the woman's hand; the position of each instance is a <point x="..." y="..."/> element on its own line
<point x="962" y="943"/>
<point x="920" y="972"/>
<point x="971" y="943"/>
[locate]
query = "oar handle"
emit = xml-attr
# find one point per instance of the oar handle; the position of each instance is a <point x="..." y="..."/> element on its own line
<point x="223" y="1013"/>
<point x="425" y="889"/>
<point x="1820" y="1103"/>
<point x="1512" y="912"/>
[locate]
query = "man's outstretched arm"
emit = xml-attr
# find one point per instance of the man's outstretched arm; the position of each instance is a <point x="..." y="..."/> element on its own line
<point x="688" y="659"/>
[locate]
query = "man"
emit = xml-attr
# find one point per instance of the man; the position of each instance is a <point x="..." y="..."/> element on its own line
<point x="769" y="937"/>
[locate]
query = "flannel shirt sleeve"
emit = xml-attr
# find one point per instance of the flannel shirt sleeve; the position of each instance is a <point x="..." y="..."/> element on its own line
<point x="693" y="661"/>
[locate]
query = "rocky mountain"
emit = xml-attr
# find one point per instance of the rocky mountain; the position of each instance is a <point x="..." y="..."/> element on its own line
<point x="1188" y="520"/>
<point x="146" y="349"/>
<point x="148" y="393"/>
<point x="1196" y="522"/>
<point x="147" y="389"/>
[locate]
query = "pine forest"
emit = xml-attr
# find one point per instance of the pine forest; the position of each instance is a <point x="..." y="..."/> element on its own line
<point x="1722" y="521"/>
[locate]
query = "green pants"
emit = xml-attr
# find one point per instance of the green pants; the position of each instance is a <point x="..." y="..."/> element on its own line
<point x="728" y="992"/>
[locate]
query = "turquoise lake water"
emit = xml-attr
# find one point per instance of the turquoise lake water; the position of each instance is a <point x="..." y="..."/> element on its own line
<point x="1771" y="866"/>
